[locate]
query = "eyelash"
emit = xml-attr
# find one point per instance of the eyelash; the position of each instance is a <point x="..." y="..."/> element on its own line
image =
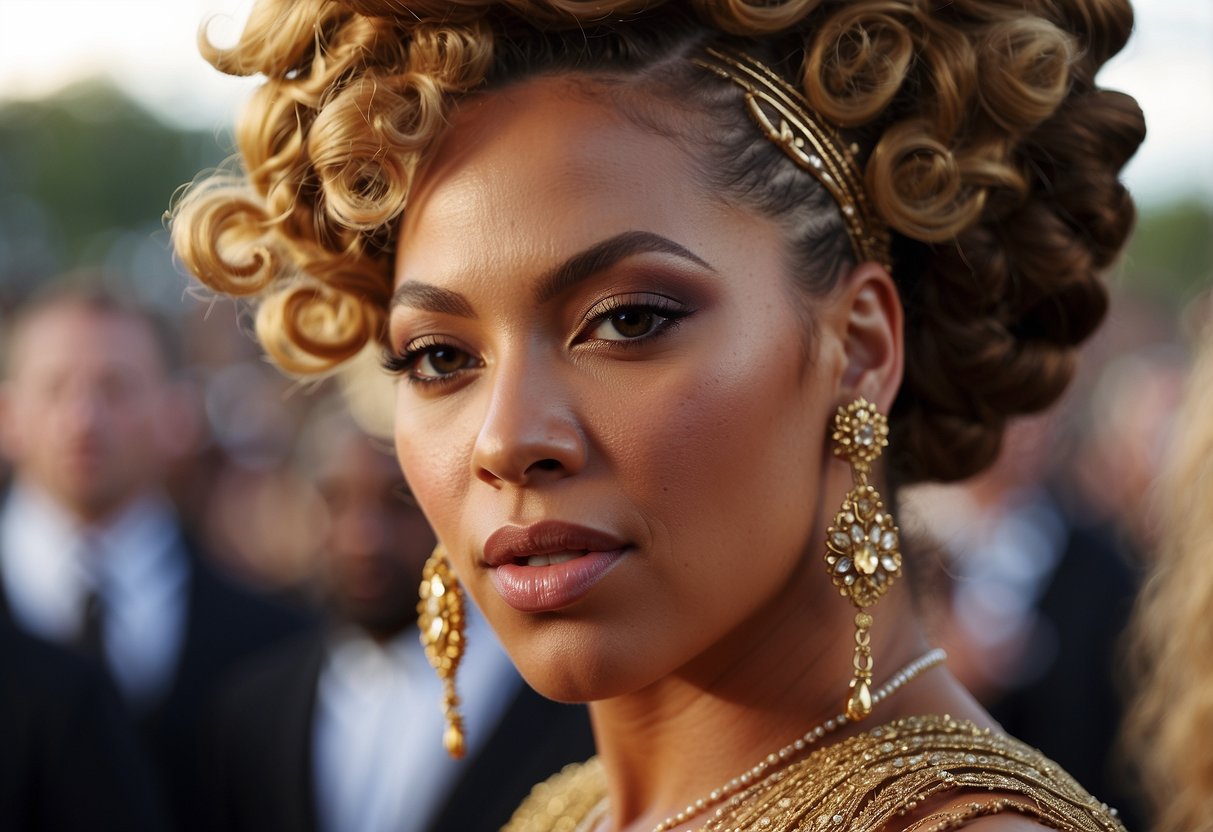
<point x="669" y="311"/>
<point x="403" y="364"/>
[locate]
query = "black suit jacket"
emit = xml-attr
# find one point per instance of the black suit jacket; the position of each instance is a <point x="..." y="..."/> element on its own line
<point x="225" y="625"/>
<point x="68" y="757"/>
<point x="1072" y="710"/>
<point x="262" y="753"/>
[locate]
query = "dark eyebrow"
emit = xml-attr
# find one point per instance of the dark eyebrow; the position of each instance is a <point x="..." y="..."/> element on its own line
<point x="433" y="299"/>
<point x="603" y="255"/>
<point x="595" y="259"/>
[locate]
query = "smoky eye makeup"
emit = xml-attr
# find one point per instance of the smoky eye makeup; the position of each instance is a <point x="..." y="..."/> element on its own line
<point x="631" y="318"/>
<point x="430" y="360"/>
<point x="642" y="298"/>
<point x="625" y="307"/>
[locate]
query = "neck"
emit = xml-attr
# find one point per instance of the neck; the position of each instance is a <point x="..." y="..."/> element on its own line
<point x="782" y="673"/>
<point x="380" y="629"/>
<point x="385" y="635"/>
<point x="84" y="514"/>
<point x="101" y="518"/>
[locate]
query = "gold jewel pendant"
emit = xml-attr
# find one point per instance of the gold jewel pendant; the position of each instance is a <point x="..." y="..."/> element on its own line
<point x="441" y="620"/>
<point x="863" y="544"/>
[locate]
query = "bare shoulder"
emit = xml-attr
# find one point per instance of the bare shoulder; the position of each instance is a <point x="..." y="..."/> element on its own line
<point x="1005" y="822"/>
<point x="998" y="815"/>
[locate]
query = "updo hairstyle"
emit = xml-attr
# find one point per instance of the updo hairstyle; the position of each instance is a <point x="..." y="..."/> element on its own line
<point x="988" y="150"/>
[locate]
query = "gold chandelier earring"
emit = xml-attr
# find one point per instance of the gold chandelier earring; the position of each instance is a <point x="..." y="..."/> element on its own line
<point x="441" y="619"/>
<point x="863" y="544"/>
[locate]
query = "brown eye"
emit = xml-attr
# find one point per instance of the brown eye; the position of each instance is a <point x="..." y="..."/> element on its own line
<point x="440" y="361"/>
<point x="430" y="360"/>
<point x="627" y="324"/>
<point x="633" y="323"/>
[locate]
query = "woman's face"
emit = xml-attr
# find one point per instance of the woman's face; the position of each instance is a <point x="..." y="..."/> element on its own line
<point x="612" y="410"/>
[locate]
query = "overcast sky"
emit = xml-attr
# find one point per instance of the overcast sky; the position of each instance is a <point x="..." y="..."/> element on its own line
<point x="148" y="47"/>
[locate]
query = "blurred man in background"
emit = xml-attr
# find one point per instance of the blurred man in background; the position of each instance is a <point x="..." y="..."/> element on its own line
<point x="91" y="550"/>
<point x="342" y="731"/>
<point x="1041" y="592"/>
<point x="69" y="759"/>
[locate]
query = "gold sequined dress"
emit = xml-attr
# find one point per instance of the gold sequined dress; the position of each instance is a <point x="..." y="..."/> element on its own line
<point x="879" y="781"/>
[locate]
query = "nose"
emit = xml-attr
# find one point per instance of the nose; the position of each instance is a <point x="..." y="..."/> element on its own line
<point x="83" y="407"/>
<point x="530" y="432"/>
<point x="358" y="533"/>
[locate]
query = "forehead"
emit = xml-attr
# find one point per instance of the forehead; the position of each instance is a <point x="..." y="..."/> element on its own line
<point x="348" y="457"/>
<point x="534" y="170"/>
<point x="73" y="334"/>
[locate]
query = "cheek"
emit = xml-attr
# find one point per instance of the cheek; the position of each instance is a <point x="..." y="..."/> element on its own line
<point x="729" y="440"/>
<point x="435" y="461"/>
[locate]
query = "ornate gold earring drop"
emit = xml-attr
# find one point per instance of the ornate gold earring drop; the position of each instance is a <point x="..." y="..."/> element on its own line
<point x="441" y="619"/>
<point x="862" y="546"/>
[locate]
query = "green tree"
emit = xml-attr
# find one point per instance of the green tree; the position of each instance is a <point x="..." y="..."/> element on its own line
<point x="1170" y="257"/>
<point x="85" y="177"/>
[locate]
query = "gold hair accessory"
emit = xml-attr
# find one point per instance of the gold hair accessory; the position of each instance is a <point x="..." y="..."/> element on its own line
<point x="862" y="545"/>
<point x="810" y="141"/>
<point x="440" y="617"/>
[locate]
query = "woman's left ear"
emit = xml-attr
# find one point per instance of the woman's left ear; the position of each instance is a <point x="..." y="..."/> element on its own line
<point x="869" y="325"/>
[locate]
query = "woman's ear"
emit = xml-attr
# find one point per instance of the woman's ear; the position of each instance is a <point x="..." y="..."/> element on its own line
<point x="869" y="322"/>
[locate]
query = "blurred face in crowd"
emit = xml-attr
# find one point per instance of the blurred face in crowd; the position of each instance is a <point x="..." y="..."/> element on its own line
<point x="87" y="414"/>
<point x="377" y="540"/>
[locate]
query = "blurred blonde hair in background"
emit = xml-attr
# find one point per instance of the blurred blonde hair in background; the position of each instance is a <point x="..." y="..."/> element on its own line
<point x="1171" y="723"/>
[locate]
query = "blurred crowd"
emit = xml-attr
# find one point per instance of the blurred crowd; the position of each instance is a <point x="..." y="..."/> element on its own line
<point x="1037" y="562"/>
<point x="208" y="571"/>
<point x="208" y="599"/>
<point x="209" y="579"/>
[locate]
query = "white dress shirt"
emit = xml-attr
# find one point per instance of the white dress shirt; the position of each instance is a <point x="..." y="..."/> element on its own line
<point x="378" y="760"/>
<point x="1004" y="561"/>
<point x="51" y="562"/>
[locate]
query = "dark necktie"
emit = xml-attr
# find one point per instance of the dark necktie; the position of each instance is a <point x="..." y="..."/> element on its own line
<point x="91" y="638"/>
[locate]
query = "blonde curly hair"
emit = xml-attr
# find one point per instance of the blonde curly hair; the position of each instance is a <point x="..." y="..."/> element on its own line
<point x="988" y="150"/>
<point x="1172" y="636"/>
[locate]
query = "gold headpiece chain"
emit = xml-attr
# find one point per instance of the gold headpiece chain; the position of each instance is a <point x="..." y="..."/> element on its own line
<point x="810" y="141"/>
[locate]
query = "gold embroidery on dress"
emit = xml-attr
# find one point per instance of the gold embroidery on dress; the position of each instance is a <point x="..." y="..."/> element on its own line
<point x="864" y="784"/>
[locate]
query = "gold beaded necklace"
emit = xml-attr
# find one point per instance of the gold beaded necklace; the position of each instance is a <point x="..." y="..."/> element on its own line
<point x="783" y="755"/>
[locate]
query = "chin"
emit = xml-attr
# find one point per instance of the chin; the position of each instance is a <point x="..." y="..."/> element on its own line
<point x="94" y="505"/>
<point x="569" y="661"/>
<point x="380" y="623"/>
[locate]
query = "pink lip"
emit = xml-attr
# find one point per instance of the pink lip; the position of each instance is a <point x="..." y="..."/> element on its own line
<point x="552" y="587"/>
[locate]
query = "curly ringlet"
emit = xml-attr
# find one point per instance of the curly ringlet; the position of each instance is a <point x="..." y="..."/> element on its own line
<point x="988" y="148"/>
